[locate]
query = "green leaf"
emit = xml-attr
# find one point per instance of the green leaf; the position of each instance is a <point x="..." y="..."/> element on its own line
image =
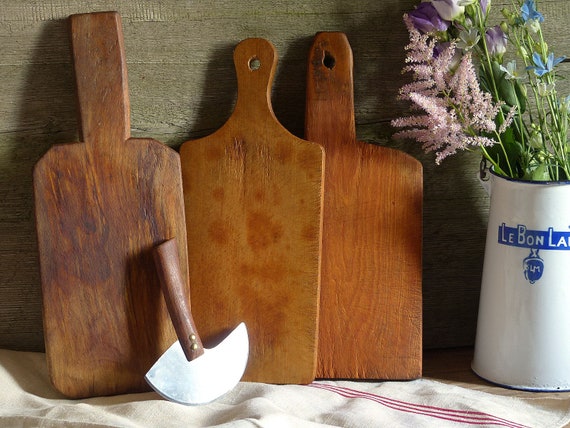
<point x="508" y="90"/>
<point x="508" y="154"/>
<point x="520" y="90"/>
<point x="540" y="173"/>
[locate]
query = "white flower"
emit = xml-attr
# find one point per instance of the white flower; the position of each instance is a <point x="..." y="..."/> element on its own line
<point x="449" y="9"/>
<point x="565" y="104"/>
<point x="511" y="70"/>
<point x="545" y="89"/>
<point x="468" y="39"/>
<point x="533" y="25"/>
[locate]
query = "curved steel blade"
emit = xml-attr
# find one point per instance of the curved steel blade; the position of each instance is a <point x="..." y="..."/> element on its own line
<point x="204" y="379"/>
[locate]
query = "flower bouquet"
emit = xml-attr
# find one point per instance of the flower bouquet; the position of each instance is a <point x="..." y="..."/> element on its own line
<point x="489" y="87"/>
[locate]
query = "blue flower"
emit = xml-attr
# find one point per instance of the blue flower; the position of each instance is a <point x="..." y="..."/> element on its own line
<point x="529" y="12"/>
<point x="540" y="68"/>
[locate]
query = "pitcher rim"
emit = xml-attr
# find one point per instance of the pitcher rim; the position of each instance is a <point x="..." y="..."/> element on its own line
<point x="533" y="182"/>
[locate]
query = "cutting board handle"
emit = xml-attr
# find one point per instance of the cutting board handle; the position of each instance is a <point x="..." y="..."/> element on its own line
<point x="330" y="88"/>
<point x="255" y="61"/>
<point x="101" y="77"/>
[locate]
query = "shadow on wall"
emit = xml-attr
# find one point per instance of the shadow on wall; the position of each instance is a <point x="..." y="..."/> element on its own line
<point x="213" y="111"/>
<point x="290" y="85"/>
<point x="47" y="115"/>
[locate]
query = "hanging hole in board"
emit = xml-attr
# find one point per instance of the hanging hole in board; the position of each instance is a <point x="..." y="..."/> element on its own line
<point x="254" y="64"/>
<point x="329" y="61"/>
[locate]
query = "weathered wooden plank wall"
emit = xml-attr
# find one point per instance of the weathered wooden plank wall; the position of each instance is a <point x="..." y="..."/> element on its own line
<point x="182" y="86"/>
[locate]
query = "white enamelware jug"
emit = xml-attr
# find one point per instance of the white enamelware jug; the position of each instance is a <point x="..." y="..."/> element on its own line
<point x="523" y="327"/>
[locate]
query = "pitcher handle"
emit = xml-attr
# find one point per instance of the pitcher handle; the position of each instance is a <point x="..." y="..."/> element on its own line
<point x="484" y="176"/>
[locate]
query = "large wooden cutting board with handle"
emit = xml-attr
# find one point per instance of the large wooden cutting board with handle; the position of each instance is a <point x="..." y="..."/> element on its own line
<point x="253" y="200"/>
<point x="371" y="298"/>
<point x="101" y="206"/>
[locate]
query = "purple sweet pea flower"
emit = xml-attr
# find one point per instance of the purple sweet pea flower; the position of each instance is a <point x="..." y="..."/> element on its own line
<point x="426" y="19"/>
<point x="496" y="41"/>
<point x="439" y="48"/>
<point x="484" y="4"/>
<point x="449" y="9"/>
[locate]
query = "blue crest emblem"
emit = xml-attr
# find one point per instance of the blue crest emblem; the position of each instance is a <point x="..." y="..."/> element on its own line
<point x="533" y="266"/>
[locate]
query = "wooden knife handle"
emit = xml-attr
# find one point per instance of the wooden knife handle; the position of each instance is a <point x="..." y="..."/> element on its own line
<point x="167" y="264"/>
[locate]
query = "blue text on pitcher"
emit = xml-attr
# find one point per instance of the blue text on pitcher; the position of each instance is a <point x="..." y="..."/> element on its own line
<point x="535" y="240"/>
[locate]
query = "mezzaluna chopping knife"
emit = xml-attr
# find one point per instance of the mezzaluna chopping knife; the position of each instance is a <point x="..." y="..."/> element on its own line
<point x="187" y="373"/>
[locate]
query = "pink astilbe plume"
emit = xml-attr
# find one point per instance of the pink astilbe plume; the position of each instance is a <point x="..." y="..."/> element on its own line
<point x="456" y="113"/>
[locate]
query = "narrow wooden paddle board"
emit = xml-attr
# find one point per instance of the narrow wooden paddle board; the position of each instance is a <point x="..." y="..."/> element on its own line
<point x="101" y="206"/>
<point x="371" y="285"/>
<point x="253" y="201"/>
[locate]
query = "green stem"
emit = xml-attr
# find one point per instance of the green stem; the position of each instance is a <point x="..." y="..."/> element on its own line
<point x="496" y="167"/>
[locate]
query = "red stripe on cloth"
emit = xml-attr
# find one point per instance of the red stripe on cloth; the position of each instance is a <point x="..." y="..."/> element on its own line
<point x="454" y="415"/>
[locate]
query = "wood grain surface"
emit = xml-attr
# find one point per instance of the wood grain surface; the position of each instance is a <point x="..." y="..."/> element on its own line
<point x="182" y="86"/>
<point x="370" y="323"/>
<point x="253" y="202"/>
<point x="101" y="206"/>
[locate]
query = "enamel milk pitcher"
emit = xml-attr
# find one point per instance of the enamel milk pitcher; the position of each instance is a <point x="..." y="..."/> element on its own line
<point x="523" y="327"/>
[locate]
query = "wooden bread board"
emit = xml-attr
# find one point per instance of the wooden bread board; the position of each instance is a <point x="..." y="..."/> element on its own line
<point x="253" y="201"/>
<point x="371" y="282"/>
<point x="101" y="205"/>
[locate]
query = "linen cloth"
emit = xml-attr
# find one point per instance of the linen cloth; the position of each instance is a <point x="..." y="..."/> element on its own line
<point x="27" y="399"/>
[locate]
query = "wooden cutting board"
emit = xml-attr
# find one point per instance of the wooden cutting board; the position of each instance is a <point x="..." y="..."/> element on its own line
<point x="253" y="201"/>
<point x="371" y="296"/>
<point x="101" y="206"/>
